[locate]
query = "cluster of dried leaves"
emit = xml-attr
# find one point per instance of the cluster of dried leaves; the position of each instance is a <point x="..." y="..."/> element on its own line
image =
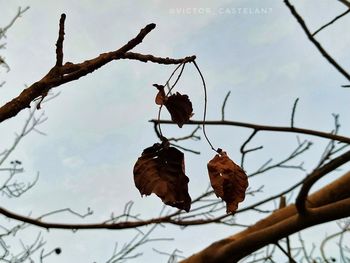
<point x="161" y="168"/>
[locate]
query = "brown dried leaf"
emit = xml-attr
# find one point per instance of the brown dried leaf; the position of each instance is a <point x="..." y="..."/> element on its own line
<point x="161" y="97"/>
<point x="180" y="108"/>
<point x="161" y="170"/>
<point x="228" y="180"/>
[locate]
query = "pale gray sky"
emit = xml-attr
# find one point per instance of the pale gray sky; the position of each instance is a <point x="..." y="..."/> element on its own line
<point x="98" y="126"/>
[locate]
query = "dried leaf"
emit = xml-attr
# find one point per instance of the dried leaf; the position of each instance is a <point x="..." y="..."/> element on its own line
<point x="180" y="108"/>
<point x="228" y="180"/>
<point x="161" y="97"/>
<point x="161" y="170"/>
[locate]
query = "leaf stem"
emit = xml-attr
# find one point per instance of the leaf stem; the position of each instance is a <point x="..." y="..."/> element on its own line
<point x="205" y="107"/>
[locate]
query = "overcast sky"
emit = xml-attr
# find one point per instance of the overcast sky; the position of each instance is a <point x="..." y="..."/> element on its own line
<point x="98" y="126"/>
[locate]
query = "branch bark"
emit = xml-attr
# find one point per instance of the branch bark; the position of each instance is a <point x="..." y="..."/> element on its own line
<point x="315" y="42"/>
<point x="314" y="177"/>
<point x="330" y="203"/>
<point x="68" y="72"/>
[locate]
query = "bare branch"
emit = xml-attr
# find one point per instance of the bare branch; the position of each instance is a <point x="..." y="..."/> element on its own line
<point x="59" y="43"/>
<point x="20" y="11"/>
<point x="192" y="136"/>
<point x="59" y="75"/>
<point x="68" y="210"/>
<point x="332" y="21"/>
<point x="285" y="252"/>
<point x="293" y="113"/>
<point x="339" y="233"/>
<point x="326" y="206"/>
<point x="264" y="128"/>
<point x="3" y="31"/>
<point x="30" y="124"/>
<point x="301" y="148"/>
<point x="315" y="42"/>
<point x="244" y="151"/>
<point x="159" y="60"/>
<point x="223" y="106"/>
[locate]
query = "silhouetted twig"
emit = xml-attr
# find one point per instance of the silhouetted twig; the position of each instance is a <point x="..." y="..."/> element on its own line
<point x="331" y="22"/>
<point x="315" y="42"/>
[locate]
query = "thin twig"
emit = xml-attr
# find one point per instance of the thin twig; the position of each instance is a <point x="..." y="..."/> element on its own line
<point x="179" y="76"/>
<point x="323" y="243"/>
<point x="224" y="105"/>
<point x="301" y="148"/>
<point x="285" y="252"/>
<point x="315" y="42"/>
<point x="293" y="113"/>
<point x="68" y="210"/>
<point x="161" y="137"/>
<point x="244" y="151"/>
<point x="190" y="136"/>
<point x="20" y="11"/>
<point x="331" y="22"/>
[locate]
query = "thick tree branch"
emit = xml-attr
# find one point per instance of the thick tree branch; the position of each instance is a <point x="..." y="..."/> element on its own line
<point x="314" y="41"/>
<point x="330" y="203"/>
<point x="61" y="74"/>
<point x="237" y="250"/>
<point x="315" y="176"/>
<point x="264" y="128"/>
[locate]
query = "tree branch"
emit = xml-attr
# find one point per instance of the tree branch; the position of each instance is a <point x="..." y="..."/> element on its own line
<point x="330" y="203"/>
<point x="332" y="21"/>
<point x="315" y="42"/>
<point x="264" y="128"/>
<point x="159" y="60"/>
<point x="59" y="43"/>
<point x="236" y="250"/>
<point x="315" y="176"/>
<point x="61" y="74"/>
<point x="20" y="11"/>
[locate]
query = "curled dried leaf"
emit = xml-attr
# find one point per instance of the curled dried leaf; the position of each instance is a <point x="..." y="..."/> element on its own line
<point x="180" y="108"/>
<point x="228" y="180"/>
<point x="161" y="170"/>
<point x="161" y="97"/>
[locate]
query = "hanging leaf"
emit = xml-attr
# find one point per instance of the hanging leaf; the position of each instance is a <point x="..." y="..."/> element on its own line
<point x="161" y="97"/>
<point x="228" y="180"/>
<point x="161" y="170"/>
<point x="180" y="108"/>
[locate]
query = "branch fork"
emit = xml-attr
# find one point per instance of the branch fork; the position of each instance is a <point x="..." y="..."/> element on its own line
<point x="63" y="73"/>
